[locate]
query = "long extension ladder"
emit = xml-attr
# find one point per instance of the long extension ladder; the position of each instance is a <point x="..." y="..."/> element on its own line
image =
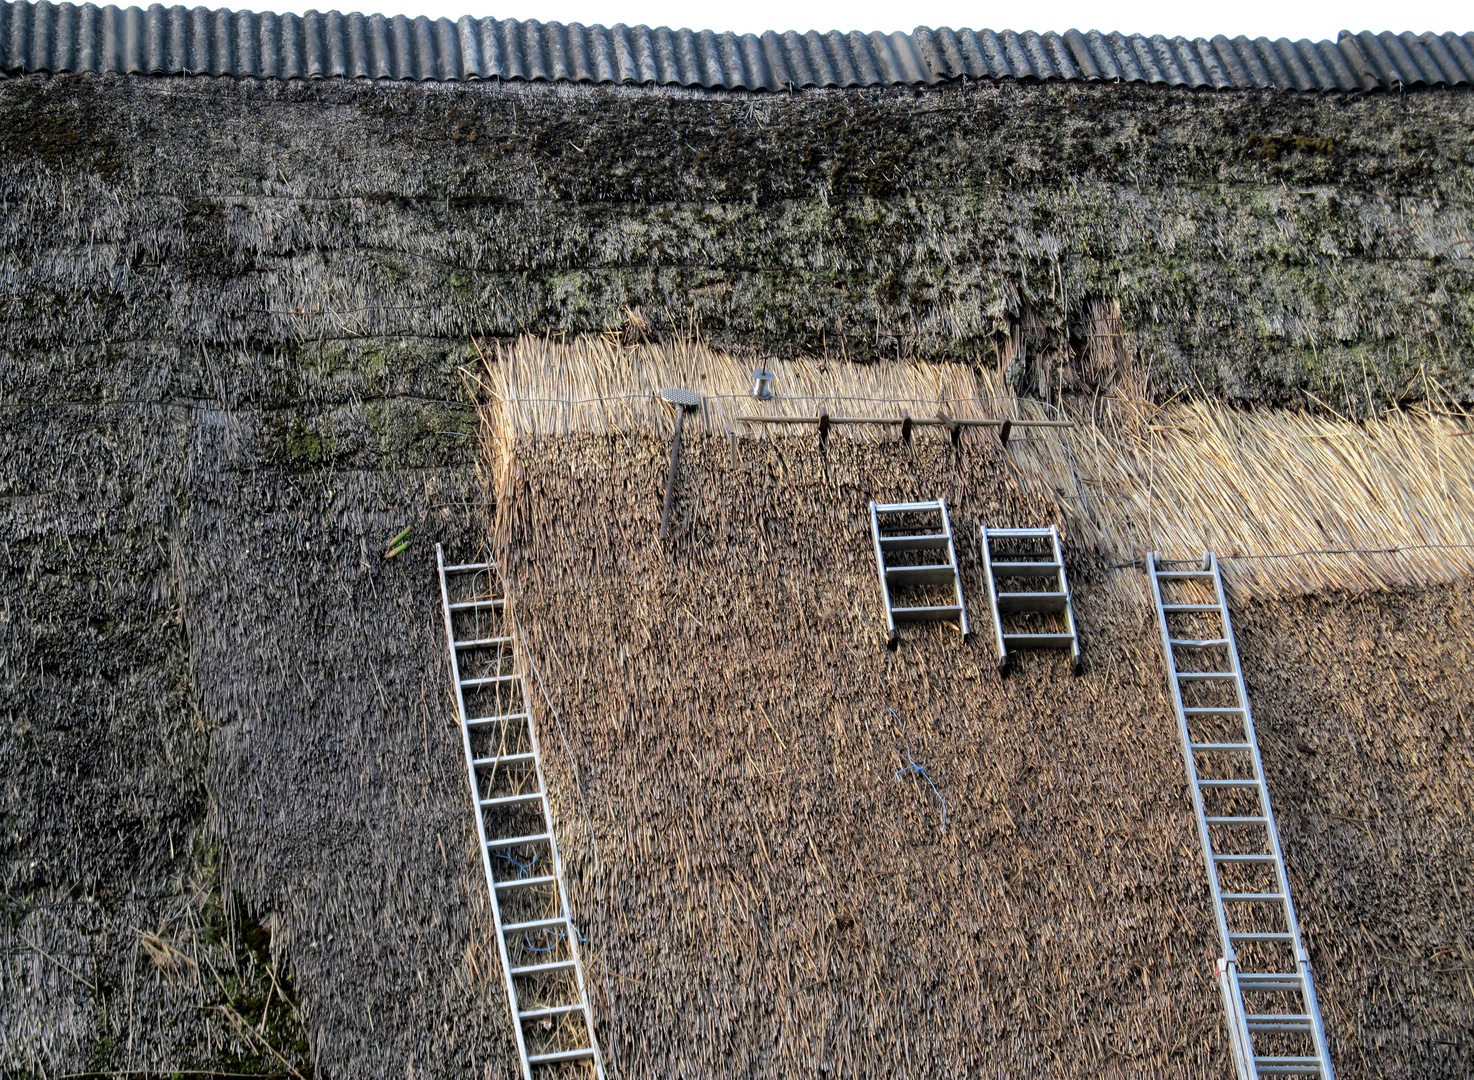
<point x="1035" y="557"/>
<point x="1274" y="1021"/>
<point x="909" y="531"/>
<point x="536" y="937"/>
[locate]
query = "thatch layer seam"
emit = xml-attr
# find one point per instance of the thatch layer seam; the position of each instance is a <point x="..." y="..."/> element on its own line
<point x="46" y="37"/>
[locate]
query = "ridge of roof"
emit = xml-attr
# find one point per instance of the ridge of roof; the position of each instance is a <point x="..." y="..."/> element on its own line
<point x="56" y="38"/>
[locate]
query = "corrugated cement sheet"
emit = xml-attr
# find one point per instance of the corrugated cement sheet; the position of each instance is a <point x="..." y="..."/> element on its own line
<point x="50" y="37"/>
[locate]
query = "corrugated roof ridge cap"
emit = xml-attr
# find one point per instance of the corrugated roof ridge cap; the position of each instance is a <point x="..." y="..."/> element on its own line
<point x="1376" y="54"/>
<point x="940" y="52"/>
<point x="1461" y="48"/>
<point x="1350" y="47"/>
<point x="1405" y="59"/>
<point x="1442" y="67"/>
<point x="1080" y="55"/>
<point x="43" y="35"/>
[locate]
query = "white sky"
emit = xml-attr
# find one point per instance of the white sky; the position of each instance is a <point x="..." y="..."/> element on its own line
<point x="1268" y="18"/>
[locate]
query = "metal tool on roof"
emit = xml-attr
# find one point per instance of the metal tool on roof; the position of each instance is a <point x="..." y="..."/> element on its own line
<point x="536" y="938"/>
<point x="762" y="384"/>
<point x="910" y="532"/>
<point x="1274" y="1021"/>
<point x="1034" y="556"/>
<point x="685" y="401"/>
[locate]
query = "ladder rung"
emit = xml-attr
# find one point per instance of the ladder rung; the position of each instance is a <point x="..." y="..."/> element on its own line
<point x="534" y="924"/>
<point x="551" y="1010"/>
<point x="1279" y="1022"/>
<point x="1205" y="676"/>
<point x="941" y="574"/>
<point x="488" y="680"/>
<point x="470" y="605"/>
<point x="556" y="1056"/>
<point x="1211" y="710"/>
<point x="1221" y="746"/>
<point x="926" y="614"/>
<point x="928" y="542"/>
<point x="1236" y="820"/>
<point x="481" y="643"/>
<point x="1288" y="1066"/>
<point x="466" y="567"/>
<point x="525" y="883"/>
<point x="1205" y="643"/>
<point x="1246" y="860"/>
<point x="1032" y="601"/>
<point x="510" y="800"/>
<point x="906" y="508"/>
<point x="1032" y="534"/>
<point x="1196" y="575"/>
<point x="1242" y="782"/>
<point x="547" y="968"/>
<point x="1186" y="608"/>
<point x="1026" y="569"/>
<point x="519" y="841"/>
<point x="1038" y="641"/>
<point x="477" y="721"/>
<point x="505" y="759"/>
<point x="1270" y="981"/>
<point x="1258" y="935"/>
<point x="1252" y="897"/>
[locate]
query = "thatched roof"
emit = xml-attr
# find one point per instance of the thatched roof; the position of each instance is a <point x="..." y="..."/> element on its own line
<point x="234" y="335"/>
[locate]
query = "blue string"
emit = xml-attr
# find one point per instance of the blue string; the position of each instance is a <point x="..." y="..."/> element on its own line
<point x="913" y="767"/>
<point x="523" y="868"/>
<point x="527" y="943"/>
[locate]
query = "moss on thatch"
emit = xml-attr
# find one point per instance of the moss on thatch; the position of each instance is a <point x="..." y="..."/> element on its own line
<point x="1252" y="244"/>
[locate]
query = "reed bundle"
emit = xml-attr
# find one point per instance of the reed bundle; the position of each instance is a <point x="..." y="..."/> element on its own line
<point x="1293" y="503"/>
<point x="541" y="386"/>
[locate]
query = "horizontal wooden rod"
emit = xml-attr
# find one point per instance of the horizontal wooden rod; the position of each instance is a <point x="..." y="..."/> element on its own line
<point x="916" y="421"/>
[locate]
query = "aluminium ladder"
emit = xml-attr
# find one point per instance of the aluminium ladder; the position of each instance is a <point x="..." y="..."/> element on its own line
<point x="1029" y="565"/>
<point x="1274" y="1021"/>
<point x="536" y="937"/>
<point x="909" y="530"/>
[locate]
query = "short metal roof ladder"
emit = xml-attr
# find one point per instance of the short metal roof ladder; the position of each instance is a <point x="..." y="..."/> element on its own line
<point x="1274" y="1021"/>
<point x="535" y="935"/>
<point x="1031" y="565"/>
<point x="903" y="529"/>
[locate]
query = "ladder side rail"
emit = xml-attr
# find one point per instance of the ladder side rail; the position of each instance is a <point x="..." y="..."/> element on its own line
<point x="1240" y="1038"/>
<point x="885" y="586"/>
<point x="956" y="570"/>
<point x="1251" y="738"/>
<point x="993" y="597"/>
<point x="1064" y="587"/>
<point x="1292" y="921"/>
<point x="496" y="910"/>
<point x="564" y="911"/>
<point x="1199" y="811"/>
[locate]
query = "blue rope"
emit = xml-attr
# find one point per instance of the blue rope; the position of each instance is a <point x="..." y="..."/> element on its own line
<point x="913" y="767"/>
<point x="527" y="943"/>
<point x="523" y="868"/>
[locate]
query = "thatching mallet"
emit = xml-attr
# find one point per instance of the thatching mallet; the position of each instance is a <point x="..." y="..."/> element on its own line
<point x="685" y="401"/>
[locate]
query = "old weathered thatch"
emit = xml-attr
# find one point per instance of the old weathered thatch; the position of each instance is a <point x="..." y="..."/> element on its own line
<point x="244" y="335"/>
